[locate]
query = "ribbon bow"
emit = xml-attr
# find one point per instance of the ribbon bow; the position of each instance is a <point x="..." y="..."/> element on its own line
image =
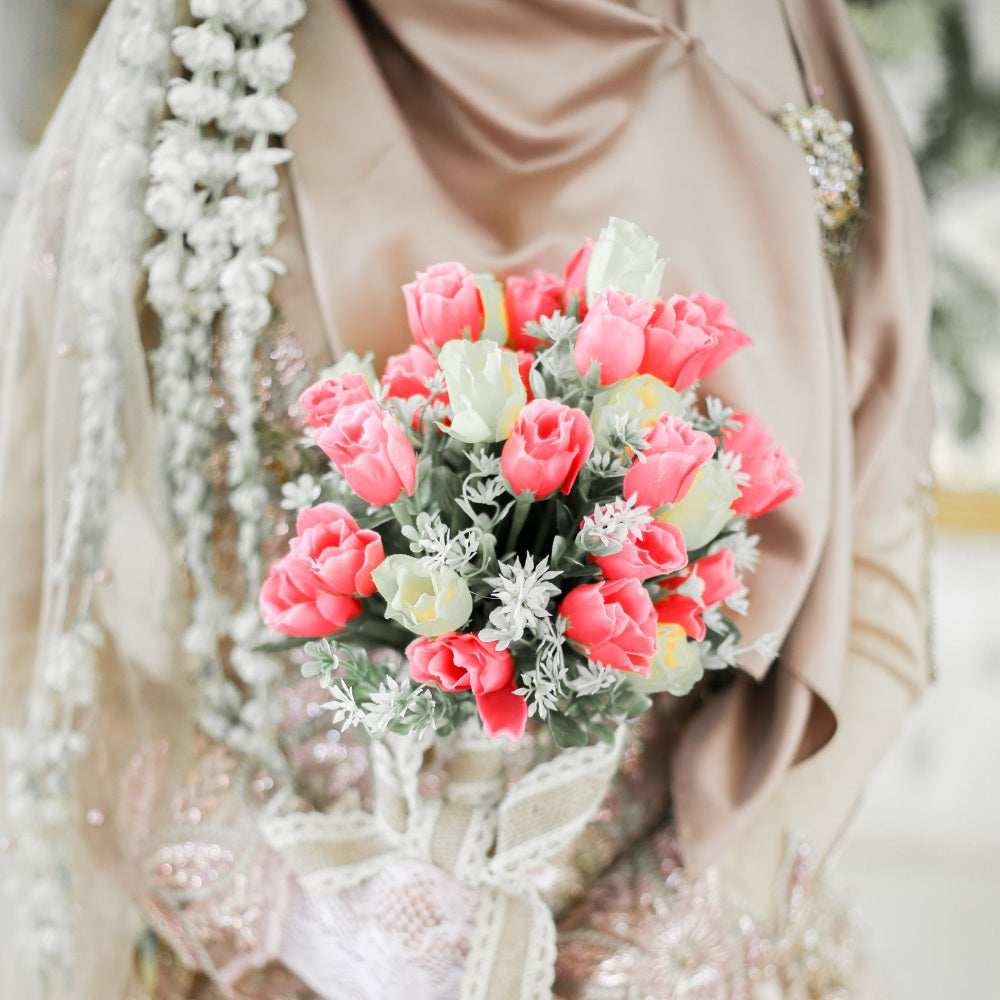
<point x="482" y="832"/>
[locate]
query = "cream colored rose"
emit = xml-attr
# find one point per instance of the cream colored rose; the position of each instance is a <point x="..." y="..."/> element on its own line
<point x="484" y="387"/>
<point x="706" y="507"/>
<point x="494" y="308"/>
<point x="675" y="667"/>
<point x="424" y="598"/>
<point x="624" y="257"/>
<point x="643" y="397"/>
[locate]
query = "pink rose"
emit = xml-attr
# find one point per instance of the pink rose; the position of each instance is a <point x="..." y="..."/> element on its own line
<point x="444" y="304"/>
<point x="330" y="545"/>
<point x="462" y="661"/>
<point x="293" y="602"/>
<point x="323" y="399"/>
<point x="664" y="471"/>
<point x="656" y="550"/>
<point x="680" y="609"/>
<point x="547" y="448"/>
<point x="612" y="335"/>
<point x="527" y="300"/>
<point x="525" y="359"/>
<point x="407" y="374"/>
<point x="688" y="338"/>
<point x="575" y="280"/>
<point x="773" y="477"/>
<point x="371" y="451"/>
<point x="718" y="573"/>
<point x="614" y="621"/>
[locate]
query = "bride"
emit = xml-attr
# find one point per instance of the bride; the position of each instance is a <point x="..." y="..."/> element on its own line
<point x="227" y="201"/>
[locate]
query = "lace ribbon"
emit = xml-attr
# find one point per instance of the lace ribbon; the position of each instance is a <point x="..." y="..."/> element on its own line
<point x="480" y="831"/>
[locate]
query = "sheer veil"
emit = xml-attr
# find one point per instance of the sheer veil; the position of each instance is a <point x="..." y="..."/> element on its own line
<point x="73" y="396"/>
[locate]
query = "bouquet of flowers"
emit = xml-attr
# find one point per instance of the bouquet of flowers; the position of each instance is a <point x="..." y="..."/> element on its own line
<point x="532" y="504"/>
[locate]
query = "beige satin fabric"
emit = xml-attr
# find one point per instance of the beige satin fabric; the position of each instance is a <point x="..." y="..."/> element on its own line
<point x="501" y="134"/>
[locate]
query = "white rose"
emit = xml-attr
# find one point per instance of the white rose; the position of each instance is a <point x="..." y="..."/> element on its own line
<point x="484" y="387"/>
<point x="494" y="308"/>
<point x="624" y="257"/>
<point x="644" y="398"/>
<point x="676" y="666"/>
<point x="706" y="508"/>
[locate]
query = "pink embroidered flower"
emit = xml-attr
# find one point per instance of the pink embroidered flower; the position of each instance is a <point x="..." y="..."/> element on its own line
<point x="664" y="471"/>
<point x="612" y="334"/>
<point x="462" y="662"/>
<point x="773" y="477"/>
<point x="656" y="550"/>
<point x="444" y="304"/>
<point x="294" y="602"/>
<point x="547" y="448"/>
<point x="683" y="610"/>
<point x="330" y="545"/>
<point x="371" y="451"/>
<point x="614" y="621"/>
<point x="322" y="400"/>
<point x="575" y="280"/>
<point x="688" y="338"/>
<point x="407" y="375"/>
<point x="528" y="299"/>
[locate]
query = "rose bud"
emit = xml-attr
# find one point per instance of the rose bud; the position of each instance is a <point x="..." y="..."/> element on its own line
<point x="656" y="550"/>
<point x="444" y="304"/>
<point x="330" y="544"/>
<point x="612" y="335"/>
<point x="323" y="400"/>
<point x="772" y="474"/>
<point x="484" y="388"/>
<point x="527" y="300"/>
<point x="614" y="621"/>
<point x="706" y="508"/>
<point x="624" y="257"/>
<point x="575" y="280"/>
<point x="371" y="451"/>
<point x="407" y="375"/>
<point x="676" y="666"/>
<point x="547" y="448"/>
<point x="463" y="662"/>
<point x="426" y="598"/>
<point x="682" y="343"/>
<point x="665" y="470"/>
<point x="294" y="602"/>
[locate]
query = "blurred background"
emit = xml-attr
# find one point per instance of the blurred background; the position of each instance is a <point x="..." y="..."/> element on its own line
<point x="922" y="862"/>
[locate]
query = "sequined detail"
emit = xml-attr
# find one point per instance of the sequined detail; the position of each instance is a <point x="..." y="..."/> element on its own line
<point x="649" y="931"/>
<point x="836" y="172"/>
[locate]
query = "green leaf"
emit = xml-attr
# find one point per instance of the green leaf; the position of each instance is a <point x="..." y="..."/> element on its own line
<point x="565" y="732"/>
<point x="631" y="702"/>
<point x="603" y="732"/>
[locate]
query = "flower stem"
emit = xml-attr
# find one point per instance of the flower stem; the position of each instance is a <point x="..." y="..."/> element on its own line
<point x="521" y="509"/>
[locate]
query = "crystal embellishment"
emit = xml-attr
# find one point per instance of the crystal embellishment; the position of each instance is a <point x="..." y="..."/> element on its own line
<point x="836" y="171"/>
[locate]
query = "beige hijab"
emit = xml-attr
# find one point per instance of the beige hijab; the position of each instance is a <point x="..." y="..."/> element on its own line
<point x="502" y="133"/>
